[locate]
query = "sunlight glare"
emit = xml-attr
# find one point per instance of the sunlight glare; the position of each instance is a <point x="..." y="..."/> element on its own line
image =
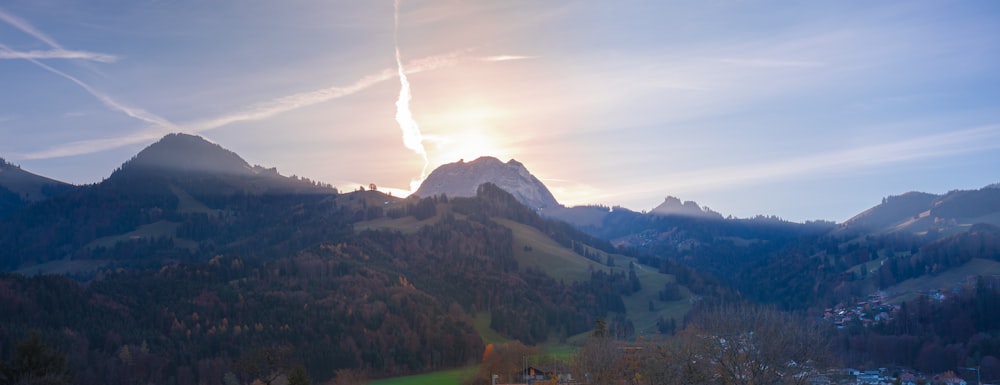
<point x="467" y="135"/>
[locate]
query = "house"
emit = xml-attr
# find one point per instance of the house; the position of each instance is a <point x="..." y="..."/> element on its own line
<point x="949" y="380"/>
<point x="537" y="374"/>
<point x="870" y="377"/>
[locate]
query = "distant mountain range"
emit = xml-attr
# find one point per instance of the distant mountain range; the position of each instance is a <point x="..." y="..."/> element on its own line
<point x="192" y="155"/>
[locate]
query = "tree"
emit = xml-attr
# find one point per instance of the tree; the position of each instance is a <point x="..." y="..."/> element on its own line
<point x="298" y="376"/>
<point x="265" y="364"/>
<point x="349" y="377"/>
<point x="36" y="363"/>
<point x="601" y="328"/>
<point x="600" y="360"/>
<point x="504" y="359"/>
<point x="746" y="344"/>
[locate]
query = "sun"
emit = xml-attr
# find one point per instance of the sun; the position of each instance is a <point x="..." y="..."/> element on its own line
<point x="469" y="145"/>
<point x="468" y="135"/>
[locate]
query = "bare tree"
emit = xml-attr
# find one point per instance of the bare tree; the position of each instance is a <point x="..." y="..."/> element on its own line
<point x="601" y="359"/>
<point x="350" y="377"/>
<point x="753" y="345"/>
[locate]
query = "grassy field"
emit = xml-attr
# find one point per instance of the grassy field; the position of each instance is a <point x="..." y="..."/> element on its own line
<point x="64" y="266"/>
<point x="637" y="304"/>
<point x="564" y="264"/>
<point x="546" y="255"/>
<point x="444" y="377"/>
<point x="482" y="325"/>
<point x="911" y="288"/>
<point x="186" y="204"/>
<point x="153" y="230"/>
<point x="405" y="225"/>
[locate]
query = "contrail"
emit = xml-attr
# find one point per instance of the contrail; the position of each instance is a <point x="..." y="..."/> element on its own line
<point x="253" y="112"/>
<point x="137" y="113"/>
<point x="58" y="53"/>
<point x="412" y="138"/>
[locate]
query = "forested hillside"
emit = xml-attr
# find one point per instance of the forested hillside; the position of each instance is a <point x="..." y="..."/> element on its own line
<point x="285" y="275"/>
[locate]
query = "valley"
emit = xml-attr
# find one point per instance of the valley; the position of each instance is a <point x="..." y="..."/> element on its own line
<point x="170" y="272"/>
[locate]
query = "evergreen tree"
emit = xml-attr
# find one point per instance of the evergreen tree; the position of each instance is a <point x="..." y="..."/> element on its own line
<point x="298" y="376"/>
<point x="601" y="328"/>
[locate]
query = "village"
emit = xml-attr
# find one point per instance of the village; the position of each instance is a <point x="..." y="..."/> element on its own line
<point x="869" y="312"/>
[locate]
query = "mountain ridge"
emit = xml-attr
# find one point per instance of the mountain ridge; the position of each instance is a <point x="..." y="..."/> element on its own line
<point x="926" y="213"/>
<point x="673" y="206"/>
<point x="28" y="185"/>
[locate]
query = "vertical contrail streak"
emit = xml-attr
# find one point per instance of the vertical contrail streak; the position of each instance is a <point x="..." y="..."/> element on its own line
<point x="412" y="138"/>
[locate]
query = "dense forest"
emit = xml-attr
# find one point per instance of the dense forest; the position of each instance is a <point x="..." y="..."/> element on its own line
<point x="384" y="303"/>
<point x="797" y="266"/>
<point x="933" y="336"/>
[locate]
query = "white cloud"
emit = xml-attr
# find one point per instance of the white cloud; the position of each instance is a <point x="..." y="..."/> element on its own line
<point x="771" y="63"/>
<point x="846" y="160"/>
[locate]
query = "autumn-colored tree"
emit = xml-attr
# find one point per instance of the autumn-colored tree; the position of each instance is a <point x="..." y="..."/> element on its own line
<point x="505" y="360"/>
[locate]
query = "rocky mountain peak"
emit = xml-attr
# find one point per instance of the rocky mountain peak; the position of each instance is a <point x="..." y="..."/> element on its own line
<point x="673" y="206"/>
<point x="461" y="179"/>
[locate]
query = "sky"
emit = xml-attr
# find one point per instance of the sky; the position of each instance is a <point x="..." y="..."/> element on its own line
<point x="803" y="110"/>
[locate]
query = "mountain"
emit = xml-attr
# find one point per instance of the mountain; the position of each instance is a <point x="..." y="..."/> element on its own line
<point x="19" y="188"/>
<point x="189" y="159"/>
<point x="189" y="153"/>
<point x="413" y="287"/>
<point x="30" y="187"/>
<point x="673" y="206"/>
<point x="608" y="222"/>
<point x="930" y="214"/>
<point x="180" y="199"/>
<point x="461" y="179"/>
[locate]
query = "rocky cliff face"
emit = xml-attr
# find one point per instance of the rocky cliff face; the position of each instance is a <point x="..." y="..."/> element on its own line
<point x="460" y="179"/>
<point x="673" y="206"/>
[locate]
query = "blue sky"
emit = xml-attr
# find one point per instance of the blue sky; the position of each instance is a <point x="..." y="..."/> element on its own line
<point x="809" y="110"/>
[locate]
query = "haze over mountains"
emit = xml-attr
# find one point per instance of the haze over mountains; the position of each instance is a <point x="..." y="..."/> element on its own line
<point x="922" y="212"/>
<point x="202" y="257"/>
<point x="915" y="211"/>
